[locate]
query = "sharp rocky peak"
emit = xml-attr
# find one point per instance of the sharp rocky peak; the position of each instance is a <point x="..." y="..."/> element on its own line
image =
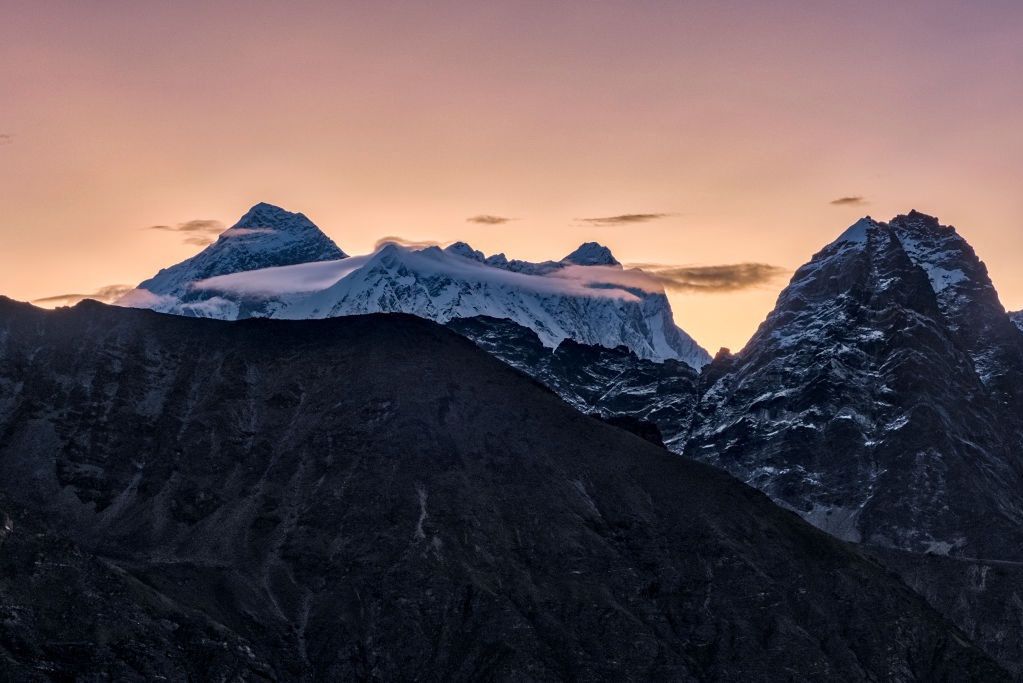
<point x="464" y="250"/>
<point x="1017" y="318"/>
<point x="591" y="254"/>
<point x="266" y="236"/>
<point x="269" y="216"/>
<point x="919" y="220"/>
<point x="887" y="360"/>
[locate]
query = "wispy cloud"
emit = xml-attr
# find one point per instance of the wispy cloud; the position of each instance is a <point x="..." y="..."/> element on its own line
<point x="402" y="242"/>
<point x="106" y="294"/>
<point x="6" y="138"/>
<point x="626" y="218"/>
<point x="200" y="232"/>
<point x="488" y="219"/>
<point x="711" y="279"/>
<point x="848" y="201"/>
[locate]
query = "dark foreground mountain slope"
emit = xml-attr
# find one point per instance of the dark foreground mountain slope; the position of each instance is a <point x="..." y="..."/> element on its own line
<point x="373" y="497"/>
<point x="64" y="611"/>
<point x="983" y="597"/>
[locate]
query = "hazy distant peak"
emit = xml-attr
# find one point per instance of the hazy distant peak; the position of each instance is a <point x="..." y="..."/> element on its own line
<point x="464" y="250"/>
<point x="497" y="260"/>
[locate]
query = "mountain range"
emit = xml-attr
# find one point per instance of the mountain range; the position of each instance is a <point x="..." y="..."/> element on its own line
<point x="881" y="401"/>
<point x="277" y="264"/>
<point x="374" y="497"/>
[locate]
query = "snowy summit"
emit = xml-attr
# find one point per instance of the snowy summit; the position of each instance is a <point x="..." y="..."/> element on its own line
<point x="277" y="264"/>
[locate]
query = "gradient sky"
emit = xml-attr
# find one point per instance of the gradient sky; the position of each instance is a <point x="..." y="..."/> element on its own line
<point x="742" y="121"/>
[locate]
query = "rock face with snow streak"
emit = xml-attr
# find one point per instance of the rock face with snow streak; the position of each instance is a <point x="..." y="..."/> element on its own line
<point x="1017" y="319"/>
<point x="968" y="302"/>
<point x="869" y="402"/>
<point x="587" y="296"/>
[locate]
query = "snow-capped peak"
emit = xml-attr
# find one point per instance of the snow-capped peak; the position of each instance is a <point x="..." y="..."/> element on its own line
<point x="266" y="236"/>
<point x="270" y="217"/>
<point x="278" y="264"/>
<point x="591" y="254"/>
<point x="465" y="251"/>
<point x="857" y="232"/>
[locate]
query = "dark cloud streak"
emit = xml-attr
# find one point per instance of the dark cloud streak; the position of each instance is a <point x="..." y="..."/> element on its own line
<point x="626" y="218"/>
<point x="105" y="294"/>
<point x="848" y="201"/>
<point x="488" y="219"/>
<point x="711" y="279"/>
<point x="201" y="226"/>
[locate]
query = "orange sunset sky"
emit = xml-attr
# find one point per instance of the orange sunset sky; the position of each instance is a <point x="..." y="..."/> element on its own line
<point x="737" y="124"/>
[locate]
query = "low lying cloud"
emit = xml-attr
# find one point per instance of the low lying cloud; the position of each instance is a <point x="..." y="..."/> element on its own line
<point x="201" y="232"/>
<point x="309" y="278"/>
<point x="488" y="219"/>
<point x="848" y="201"/>
<point x="711" y="279"/>
<point x="402" y="242"/>
<point x="143" y="298"/>
<point x="107" y="294"/>
<point x="626" y="218"/>
<point x="240" y="232"/>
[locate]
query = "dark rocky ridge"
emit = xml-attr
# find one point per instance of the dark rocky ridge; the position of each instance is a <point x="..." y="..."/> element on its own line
<point x="613" y="383"/>
<point x="867" y="402"/>
<point x="969" y="305"/>
<point x="374" y="497"/>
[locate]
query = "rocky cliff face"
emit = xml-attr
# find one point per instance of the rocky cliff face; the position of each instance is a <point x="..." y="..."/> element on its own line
<point x="375" y="497"/>
<point x="969" y="304"/>
<point x="867" y="402"/>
